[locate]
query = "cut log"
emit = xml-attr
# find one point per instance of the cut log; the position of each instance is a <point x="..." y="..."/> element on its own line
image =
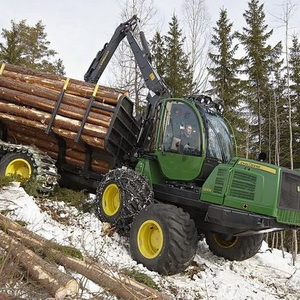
<point x="54" y="281"/>
<point x="33" y="72"/>
<point x="28" y="97"/>
<point x="98" y="119"/>
<point x="45" y="99"/>
<point x="104" y="95"/>
<point x="20" y="131"/>
<point x="120" y="286"/>
<point x="44" y="118"/>
<point x="93" y="141"/>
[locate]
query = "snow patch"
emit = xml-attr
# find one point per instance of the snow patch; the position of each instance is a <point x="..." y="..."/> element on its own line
<point x="266" y="276"/>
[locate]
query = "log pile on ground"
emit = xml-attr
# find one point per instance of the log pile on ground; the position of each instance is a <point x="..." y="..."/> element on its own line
<point x="28" y="99"/>
<point x="21" y="244"/>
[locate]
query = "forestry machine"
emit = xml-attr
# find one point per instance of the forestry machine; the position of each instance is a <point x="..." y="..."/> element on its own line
<point x="174" y="176"/>
<point x="175" y="194"/>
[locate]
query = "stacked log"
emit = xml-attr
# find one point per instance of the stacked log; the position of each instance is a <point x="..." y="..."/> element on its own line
<point x="28" y="98"/>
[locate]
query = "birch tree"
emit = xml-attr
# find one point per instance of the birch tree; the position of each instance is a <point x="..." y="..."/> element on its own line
<point x="198" y="35"/>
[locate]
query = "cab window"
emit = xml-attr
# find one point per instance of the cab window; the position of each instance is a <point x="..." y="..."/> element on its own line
<point x="180" y="129"/>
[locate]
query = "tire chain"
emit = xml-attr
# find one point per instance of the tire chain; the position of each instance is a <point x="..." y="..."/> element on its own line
<point x="134" y="203"/>
<point x="138" y="195"/>
<point x="46" y="171"/>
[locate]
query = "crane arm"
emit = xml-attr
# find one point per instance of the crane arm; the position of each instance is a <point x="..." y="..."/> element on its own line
<point x="141" y="54"/>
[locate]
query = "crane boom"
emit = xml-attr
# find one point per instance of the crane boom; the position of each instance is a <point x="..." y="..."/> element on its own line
<point x="142" y="56"/>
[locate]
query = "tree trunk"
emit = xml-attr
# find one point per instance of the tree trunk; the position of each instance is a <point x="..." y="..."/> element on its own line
<point x="54" y="281"/>
<point x="120" y="286"/>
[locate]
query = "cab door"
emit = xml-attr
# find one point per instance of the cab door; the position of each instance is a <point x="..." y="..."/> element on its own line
<point x="178" y="161"/>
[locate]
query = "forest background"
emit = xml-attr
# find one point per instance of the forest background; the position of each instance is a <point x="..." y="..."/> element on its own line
<point x="250" y="70"/>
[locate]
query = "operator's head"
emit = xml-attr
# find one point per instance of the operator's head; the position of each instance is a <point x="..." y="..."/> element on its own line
<point x="188" y="129"/>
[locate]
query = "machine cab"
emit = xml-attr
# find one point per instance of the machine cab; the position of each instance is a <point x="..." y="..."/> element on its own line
<point x="191" y="139"/>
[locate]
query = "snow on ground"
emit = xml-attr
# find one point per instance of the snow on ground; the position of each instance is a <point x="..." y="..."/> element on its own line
<point x="266" y="276"/>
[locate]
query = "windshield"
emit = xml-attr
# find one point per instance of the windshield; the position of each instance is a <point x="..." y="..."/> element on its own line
<point x="220" y="142"/>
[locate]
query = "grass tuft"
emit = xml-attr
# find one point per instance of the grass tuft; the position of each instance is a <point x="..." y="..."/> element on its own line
<point x="71" y="197"/>
<point x="141" y="277"/>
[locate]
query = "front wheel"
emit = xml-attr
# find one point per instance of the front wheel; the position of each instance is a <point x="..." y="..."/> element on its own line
<point x="120" y="196"/>
<point x="233" y="247"/>
<point x="163" y="238"/>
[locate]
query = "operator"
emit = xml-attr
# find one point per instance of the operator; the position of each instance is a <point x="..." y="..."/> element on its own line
<point x="186" y="137"/>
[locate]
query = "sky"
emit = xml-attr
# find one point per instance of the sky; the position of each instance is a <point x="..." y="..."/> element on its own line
<point x="78" y="29"/>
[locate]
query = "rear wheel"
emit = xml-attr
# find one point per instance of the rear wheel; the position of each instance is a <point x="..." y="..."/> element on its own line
<point x="233" y="247"/>
<point x="120" y="196"/>
<point x="17" y="165"/>
<point x="163" y="238"/>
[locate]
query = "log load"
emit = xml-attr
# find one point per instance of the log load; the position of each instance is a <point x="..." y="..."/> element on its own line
<point x="39" y="109"/>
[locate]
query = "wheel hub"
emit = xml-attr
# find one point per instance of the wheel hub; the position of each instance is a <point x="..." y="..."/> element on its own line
<point x="111" y="199"/>
<point x="225" y="241"/>
<point x="150" y="239"/>
<point x="20" y="167"/>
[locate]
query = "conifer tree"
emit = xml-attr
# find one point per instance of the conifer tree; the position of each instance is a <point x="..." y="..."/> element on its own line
<point x="224" y="72"/>
<point x="295" y="67"/>
<point x="13" y="50"/>
<point x="158" y="52"/>
<point x="225" y="66"/>
<point x="28" y="46"/>
<point x="294" y="63"/>
<point x="178" y="73"/>
<point x="259" y="62"/>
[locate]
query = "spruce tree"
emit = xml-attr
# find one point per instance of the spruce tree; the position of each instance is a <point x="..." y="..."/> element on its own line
<point x="158" y="54"/>
<point x="224" y="72"/>
<point x="295" y="67"/>
<point x="258" y="62"/>
<point x="294" y="63"/>
<point x="178" y="73"/>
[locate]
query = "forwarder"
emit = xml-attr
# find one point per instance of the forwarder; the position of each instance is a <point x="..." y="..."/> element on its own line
<point x="199" y="189"/>
<point x="165" y="194"/>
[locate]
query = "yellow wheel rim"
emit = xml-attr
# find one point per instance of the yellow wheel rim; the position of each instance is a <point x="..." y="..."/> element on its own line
<point x="20" y="167"/>
<point x="111" y="199"/>
<point x="150" y="239"/>
<point x="225" y="243"/>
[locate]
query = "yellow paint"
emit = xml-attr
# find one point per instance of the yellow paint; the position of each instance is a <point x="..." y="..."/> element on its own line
<point x="19" y="166"/>
<point x="257" y="166"/>
<point x="66" y="83"/>
<point x="150" y="239"/>
<point x="2" y="68"/>
<point x="152" y="76"/>
<point x="111" y="199"/>
<point x="95" y="90"/>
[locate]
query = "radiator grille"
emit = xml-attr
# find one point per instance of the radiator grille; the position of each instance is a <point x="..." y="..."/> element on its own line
<point x="219" y="183"/>
<point x="243" y="186"/>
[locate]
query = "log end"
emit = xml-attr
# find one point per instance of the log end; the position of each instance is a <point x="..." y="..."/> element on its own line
<point x="70" y="289"/>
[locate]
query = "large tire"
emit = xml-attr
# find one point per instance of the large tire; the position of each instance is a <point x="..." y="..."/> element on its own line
<point x="17" y="165"/>
<point x="234" y="247"/>
<point x="163" y="238"/>
<point x="120" y="196"/>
